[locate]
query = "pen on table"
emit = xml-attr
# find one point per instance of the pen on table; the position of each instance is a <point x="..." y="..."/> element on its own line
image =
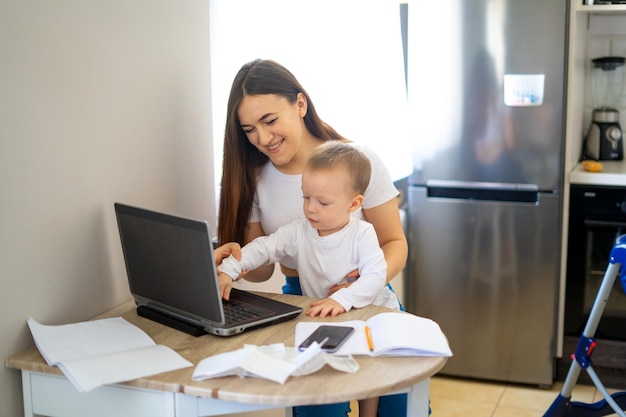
<point x="370" y="341"/>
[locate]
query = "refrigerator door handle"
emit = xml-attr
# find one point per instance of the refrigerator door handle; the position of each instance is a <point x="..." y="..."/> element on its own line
<point x="482" y="185"/>
<point x="483" y="191"/>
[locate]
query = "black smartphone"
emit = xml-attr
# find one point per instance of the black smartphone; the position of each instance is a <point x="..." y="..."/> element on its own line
<point x="330" y="337"/>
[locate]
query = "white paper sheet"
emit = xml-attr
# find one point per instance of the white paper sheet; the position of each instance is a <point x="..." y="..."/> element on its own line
<point x="274" y="362"/>
<point x="99" y="352"/>
<point x="89" y="373"/>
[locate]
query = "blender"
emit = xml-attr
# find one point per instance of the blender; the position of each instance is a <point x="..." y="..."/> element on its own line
<point x="604" y="137"/>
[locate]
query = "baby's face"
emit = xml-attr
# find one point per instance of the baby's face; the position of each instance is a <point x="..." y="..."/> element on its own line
<point x="328" y="199"/>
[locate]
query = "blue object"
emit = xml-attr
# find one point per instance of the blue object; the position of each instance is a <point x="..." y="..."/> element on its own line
<point x="618" y="255"/>
<point x="324" y="410"/>
<point x="613" y="403"/>
<point x="563" y="407"/>
<point x="584" y="350"/>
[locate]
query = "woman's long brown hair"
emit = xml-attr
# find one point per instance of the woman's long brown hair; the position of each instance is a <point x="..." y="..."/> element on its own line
<point x="242" y="160"/>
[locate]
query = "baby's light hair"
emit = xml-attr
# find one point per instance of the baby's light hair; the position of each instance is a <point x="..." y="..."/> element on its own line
<point x="334" y="154"/>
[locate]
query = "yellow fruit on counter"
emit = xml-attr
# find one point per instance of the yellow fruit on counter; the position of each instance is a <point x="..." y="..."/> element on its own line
<point x="592" y="166"/>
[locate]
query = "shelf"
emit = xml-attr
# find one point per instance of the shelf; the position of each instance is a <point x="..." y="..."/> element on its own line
<point x="601" y="8"/>
<point x="613" y="174"/>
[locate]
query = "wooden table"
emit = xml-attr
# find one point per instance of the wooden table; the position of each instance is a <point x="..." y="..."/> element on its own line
<point x="46" y="391"/>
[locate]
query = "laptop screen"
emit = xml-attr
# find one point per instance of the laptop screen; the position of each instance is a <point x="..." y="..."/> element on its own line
<point x="170" y="263"/>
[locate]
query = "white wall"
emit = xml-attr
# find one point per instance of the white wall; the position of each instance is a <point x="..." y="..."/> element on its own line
<point x="100" y="101"/>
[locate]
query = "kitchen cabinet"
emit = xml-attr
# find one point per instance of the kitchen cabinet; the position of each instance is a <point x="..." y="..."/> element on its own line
<point x="599" y="8"/>
<point x="594" y="31"/>
<point x="578" y="110"/>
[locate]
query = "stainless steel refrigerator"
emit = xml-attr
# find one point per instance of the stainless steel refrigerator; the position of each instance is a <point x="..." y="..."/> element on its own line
<point x="486" y="90"/>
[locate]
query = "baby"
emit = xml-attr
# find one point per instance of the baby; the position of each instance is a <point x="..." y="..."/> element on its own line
<point x="328" y="243"/>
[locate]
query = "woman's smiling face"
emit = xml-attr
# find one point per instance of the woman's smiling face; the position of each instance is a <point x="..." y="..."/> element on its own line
<point x="273" y="125"/>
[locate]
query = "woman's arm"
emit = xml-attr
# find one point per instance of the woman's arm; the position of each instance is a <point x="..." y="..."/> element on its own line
<point x="386" y="220"/>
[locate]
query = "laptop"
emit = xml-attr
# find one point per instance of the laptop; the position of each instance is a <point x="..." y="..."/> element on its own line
<point x="173" y="279"/>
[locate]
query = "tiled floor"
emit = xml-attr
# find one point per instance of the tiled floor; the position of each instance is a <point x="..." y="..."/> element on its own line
<point x="452" y="397"/>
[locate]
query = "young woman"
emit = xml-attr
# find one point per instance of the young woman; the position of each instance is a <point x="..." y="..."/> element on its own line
<point x="271" y="128"/>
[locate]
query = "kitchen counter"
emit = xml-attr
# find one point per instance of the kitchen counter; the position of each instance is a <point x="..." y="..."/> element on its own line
<point x="613" y="173"/>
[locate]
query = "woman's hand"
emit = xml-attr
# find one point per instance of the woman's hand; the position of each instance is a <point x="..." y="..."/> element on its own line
<point x="224" y="251"/>
<point x="227" y="249"/>
<point x="350" y="278"/>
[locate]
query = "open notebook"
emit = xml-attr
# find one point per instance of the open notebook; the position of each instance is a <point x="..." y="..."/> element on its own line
<point x="172" y="276"/>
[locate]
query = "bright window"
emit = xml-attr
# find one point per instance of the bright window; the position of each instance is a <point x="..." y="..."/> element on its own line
<point x="347" y="54"/>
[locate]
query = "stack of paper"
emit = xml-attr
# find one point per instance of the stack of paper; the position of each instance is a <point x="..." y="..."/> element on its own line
<point x="106" y="351"/>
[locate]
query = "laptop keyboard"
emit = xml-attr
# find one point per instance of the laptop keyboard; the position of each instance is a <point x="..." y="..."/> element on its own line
<point x="238" y="312"/>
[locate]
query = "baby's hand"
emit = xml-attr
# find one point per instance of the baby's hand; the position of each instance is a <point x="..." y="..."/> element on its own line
<point x="226" y="283"/>
<point x="325" y="307"/>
